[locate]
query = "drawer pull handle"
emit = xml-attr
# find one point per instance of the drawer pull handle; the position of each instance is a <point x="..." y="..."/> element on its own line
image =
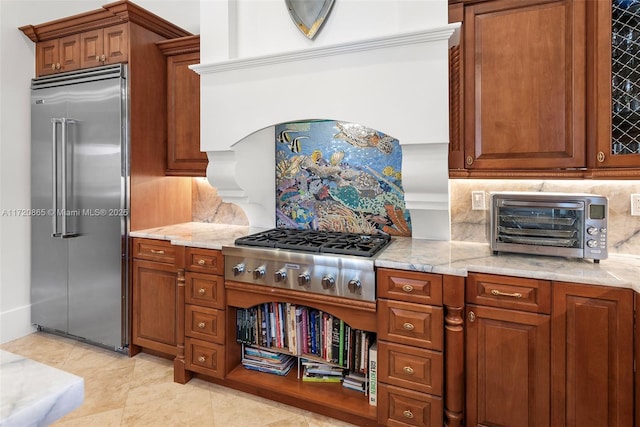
<point x="407" y="414"/>
<point x="156" y="251"/>
<point x="497" y="293"/>
<point x="407" y="288"/>
<point x="202" y="359"/>
<point x="202" y="291"/>
<point x="408" y="326"/>
<point x="202" y="325"/>
<point x="201" y="262"/>
<point x="408" y="370"/>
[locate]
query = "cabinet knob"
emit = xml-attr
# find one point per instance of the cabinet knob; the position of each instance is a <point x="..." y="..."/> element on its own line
<point x="53" y="66"/>
<point x="408" y="370"/>
<point x="202" y="291"/>
<point x="202" y="325"/>
<point x="601" y="156"/>
<point x="201" y="359"/>
<point x="103" y="58"/>
<point x="469" y="160"/>
<point x="407" y="414"/>
<point x="201" y="262"/>
<point x="408" y="326"/>
<point x="97" y="58"/>
<point x="471" y="316"/>
<point x="407" y="288"/>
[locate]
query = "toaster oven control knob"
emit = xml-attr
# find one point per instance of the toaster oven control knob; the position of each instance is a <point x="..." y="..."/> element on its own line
<point x="238" y="269"/>
<point x="280" y="276"/>
<point x="304" y="279"/>
<point x="258" y="273"/>
<point x="592" y="231"/>
<point x="354" y="286"/>
<point x="328" y="282"/>
<point x="592" y="243"/>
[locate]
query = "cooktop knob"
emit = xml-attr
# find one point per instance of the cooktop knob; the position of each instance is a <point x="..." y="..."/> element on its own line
<point x="280" y="276"/>
<point x="238" y="269"/>
<point x="328" y="282"/>
<point x="304" y="279"/>
<point x="258" y="273"/>
<point x="354" y="286"/>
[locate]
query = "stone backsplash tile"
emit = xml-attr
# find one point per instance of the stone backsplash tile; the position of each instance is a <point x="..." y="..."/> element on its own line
<point x="207" y="206"/>
<point x="472" y="226"/>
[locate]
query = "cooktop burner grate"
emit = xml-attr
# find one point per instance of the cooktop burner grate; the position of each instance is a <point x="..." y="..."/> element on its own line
<point x="329" y="242"/>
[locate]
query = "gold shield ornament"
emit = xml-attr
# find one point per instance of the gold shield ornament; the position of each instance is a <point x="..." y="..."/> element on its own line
<point x="309" y="15"/>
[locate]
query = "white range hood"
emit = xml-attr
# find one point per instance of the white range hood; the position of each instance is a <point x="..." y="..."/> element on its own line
<point x="397" y="84"/>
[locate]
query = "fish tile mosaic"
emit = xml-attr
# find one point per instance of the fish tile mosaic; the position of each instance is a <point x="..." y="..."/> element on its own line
<point x="339" y="176"/>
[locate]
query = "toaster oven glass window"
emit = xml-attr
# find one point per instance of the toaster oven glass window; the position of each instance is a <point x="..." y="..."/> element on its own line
<point x="541" y="226"/>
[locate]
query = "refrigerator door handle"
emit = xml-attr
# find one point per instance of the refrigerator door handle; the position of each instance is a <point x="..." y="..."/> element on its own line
<point x="54" y="180"/>
<point x="65" y="214"/>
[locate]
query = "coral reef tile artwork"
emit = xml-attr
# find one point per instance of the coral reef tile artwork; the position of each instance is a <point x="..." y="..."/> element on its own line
<point x="338" y="176"/>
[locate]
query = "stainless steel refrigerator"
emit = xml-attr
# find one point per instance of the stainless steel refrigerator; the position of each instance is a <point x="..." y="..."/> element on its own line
<point x="80" y="205"/>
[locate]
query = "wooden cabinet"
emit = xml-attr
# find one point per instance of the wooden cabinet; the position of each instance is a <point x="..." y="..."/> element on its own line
<point x="592" y="359"/>
<point x="533" y="362"/>
<point x="58" y="55"/>
<point x="410" y="348"/>
<point x="154" y="296"/>
<point x="204" y="313"/>
<point x="104" y="46"/>
<point x="531" y="92"/>
<point x="507" y="351"/>
<point x="183" y="108"/>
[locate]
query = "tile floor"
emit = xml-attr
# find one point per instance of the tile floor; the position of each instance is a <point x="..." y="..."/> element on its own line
<point x="139" y="391"/>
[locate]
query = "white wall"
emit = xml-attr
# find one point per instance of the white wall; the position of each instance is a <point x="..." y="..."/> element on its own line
<point x="17" y="62"/>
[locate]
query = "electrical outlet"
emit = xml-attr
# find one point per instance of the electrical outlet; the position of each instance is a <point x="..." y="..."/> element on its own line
<point x="477" y="201"/>
<point x="635" y="205"/>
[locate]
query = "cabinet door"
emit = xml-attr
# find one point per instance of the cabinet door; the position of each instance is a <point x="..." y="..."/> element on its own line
<point x="154" y="318"/>
<point x="183" y="97"/>
<point x="507" y="365"/>
<point x="92" y="48"/>
<point x="116" y="44"/>
<point x="525" y="89"/>
<point x="592" y="355"/>
<point x="47" y="57"/>
<point x="615" y="38"/>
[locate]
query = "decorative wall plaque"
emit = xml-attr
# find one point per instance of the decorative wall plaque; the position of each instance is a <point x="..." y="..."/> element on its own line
<point x="309" y="15"/>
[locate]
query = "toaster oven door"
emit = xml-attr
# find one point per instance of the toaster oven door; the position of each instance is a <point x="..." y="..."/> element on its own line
<point x="546" y="228"/>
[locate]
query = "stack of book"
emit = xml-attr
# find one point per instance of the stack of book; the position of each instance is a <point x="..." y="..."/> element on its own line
<point x="267" y="361"/>
<point x="356" y="381"/>
<point x="320" y="372"/>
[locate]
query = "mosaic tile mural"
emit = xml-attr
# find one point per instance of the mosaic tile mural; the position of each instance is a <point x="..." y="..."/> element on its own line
<point x="339" y="176"/>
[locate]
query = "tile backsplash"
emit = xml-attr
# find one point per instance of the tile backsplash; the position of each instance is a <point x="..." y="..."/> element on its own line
<point x="471" y="226"/>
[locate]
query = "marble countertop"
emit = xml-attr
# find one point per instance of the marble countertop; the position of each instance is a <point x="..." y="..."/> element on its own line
<point x="34" y="394"/>
<point x="442" y="257"/>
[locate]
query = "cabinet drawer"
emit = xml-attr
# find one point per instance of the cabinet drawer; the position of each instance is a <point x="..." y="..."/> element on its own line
<point x="204" y="357"/>
<point x="411" y="324"/>
<point x="204" y="323"/>
<point x="423" y="288"/>
<point x="400" y="407"/>
<point x="154" y="250"/>
<point x="205" y="289"/>
<point x="516" y="293"/>
<point x="410" y="367"/>
<point x="204" y="260"/>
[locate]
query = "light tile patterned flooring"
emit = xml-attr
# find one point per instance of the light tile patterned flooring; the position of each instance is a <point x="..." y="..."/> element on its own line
<point x="139" y="391"/>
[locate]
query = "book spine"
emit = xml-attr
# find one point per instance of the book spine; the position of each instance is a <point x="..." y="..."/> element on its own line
<point x="373" y="374"/>
<point x="341" y="339"/>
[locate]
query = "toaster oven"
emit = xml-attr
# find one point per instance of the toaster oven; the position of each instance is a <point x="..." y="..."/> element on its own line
<point x="555" y="224"/>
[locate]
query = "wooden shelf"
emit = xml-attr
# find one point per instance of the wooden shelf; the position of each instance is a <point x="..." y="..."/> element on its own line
<point x="331" y="399"/>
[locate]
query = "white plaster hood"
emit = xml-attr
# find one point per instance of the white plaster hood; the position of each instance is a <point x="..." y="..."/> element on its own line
<point x="397" y="84"/>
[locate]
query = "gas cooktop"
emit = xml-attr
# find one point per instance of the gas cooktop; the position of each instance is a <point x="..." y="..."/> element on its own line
<point x="327" y="242"/>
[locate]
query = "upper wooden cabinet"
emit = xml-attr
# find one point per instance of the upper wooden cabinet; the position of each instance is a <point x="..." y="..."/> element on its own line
<point x="531" y="91"/>
<point x="104" y="46"/>
<point x="183" y="108"/>
<point x="94" y="38"/>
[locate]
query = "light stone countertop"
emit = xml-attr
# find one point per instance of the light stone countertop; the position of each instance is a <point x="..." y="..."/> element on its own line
<point x="442" y="257"/>
<point x="34" y="394"/>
